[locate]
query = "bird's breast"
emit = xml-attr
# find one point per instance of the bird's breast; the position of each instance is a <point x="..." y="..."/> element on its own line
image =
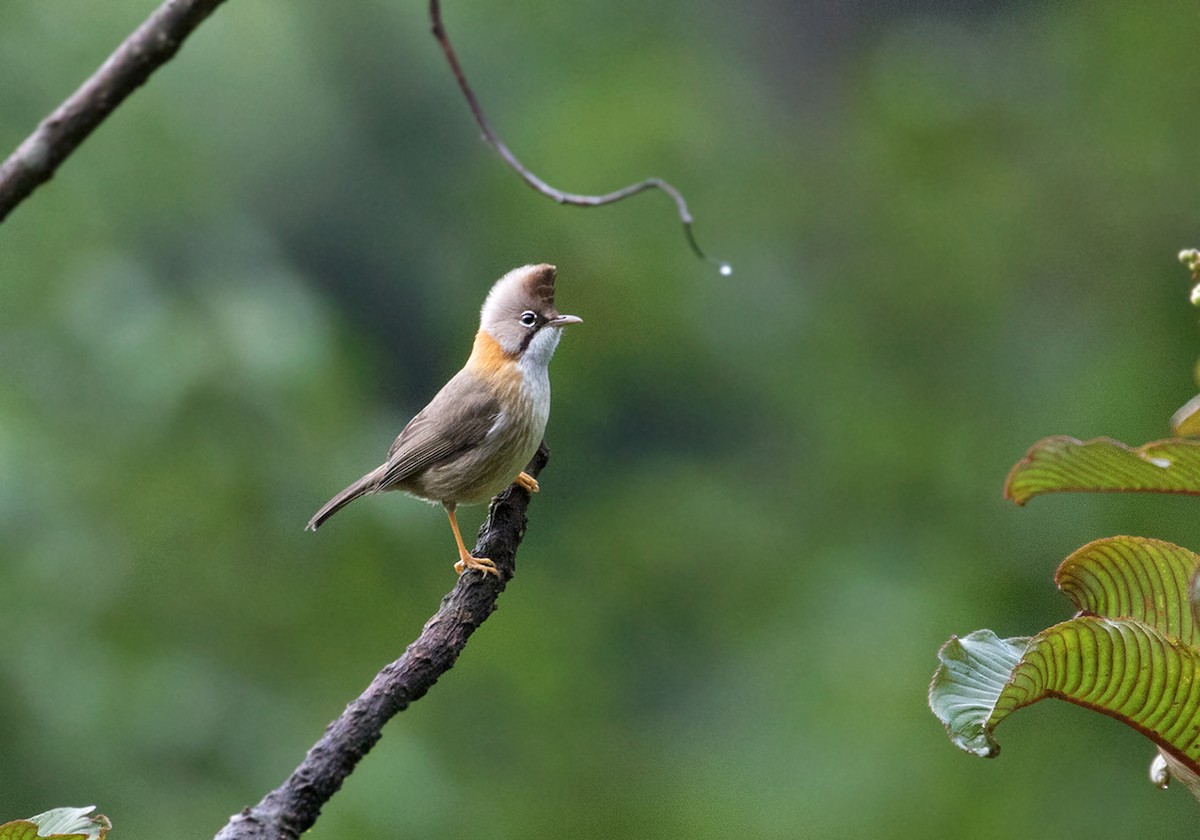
<point x="519" y="382"/>
<point x="525" y="408"/>
<point x="523" y="394"/>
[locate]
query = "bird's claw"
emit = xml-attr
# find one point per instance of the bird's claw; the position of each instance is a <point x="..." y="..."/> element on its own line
<point x="528" y="482"/>
<point x="479" y="564"/>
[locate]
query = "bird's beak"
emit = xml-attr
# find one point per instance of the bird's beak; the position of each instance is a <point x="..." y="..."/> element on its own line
<point x="563" y="320"/>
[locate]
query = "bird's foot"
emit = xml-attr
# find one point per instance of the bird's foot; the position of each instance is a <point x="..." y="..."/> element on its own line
<point x="528" y="482"/>
<point x="481" y="564"/>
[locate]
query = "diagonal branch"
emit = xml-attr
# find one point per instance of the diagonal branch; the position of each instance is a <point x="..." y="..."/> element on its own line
<point x="576" y="199"/>
<point x="150" y="46"/>
<point x="291" y="809"/>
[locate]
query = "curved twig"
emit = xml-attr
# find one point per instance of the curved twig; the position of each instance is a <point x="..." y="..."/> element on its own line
<point x="493" y="140"/>
<point x="291" y="809"/>
<point x="150" y="46"/>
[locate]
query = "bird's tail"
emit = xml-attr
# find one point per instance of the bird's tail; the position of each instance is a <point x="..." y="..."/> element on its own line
<point x="369" y="483"/>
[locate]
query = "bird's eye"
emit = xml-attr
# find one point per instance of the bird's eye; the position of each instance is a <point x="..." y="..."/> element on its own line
<point x="528" y="319"/>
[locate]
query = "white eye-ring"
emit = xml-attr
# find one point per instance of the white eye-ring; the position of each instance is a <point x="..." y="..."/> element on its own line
<point x="528" y="318"/>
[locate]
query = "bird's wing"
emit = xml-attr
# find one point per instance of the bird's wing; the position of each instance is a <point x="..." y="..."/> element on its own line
<point x="458" y="418"/>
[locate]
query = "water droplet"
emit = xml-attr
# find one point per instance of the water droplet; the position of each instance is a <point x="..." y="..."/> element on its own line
<point x="726" y="269"/>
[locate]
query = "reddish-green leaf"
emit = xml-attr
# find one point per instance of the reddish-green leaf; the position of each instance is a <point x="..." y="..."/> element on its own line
<point x="1121" y="667"/>
<point x="1134" y="577"/>
<point x="1058" y="464"/>
<point x="18" y="830"/>
<point x="1133" y="654"/>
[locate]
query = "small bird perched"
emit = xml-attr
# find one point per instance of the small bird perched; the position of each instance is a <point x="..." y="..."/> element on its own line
<point x="478" y="433"/>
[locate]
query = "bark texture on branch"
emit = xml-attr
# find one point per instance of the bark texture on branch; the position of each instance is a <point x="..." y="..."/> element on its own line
<point x="292" y="808"/>
<point x="149" y="47"/>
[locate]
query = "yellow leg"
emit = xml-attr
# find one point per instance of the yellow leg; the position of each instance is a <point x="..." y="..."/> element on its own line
<point x="465" y="560"/>
<point x="528" y="482"/>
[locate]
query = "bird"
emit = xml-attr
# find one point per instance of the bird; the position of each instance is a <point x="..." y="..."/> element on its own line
<point x="481" y="429"/>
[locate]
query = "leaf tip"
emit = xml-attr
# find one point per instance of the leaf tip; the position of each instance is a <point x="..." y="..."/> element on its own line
<point x="973" y="670"/>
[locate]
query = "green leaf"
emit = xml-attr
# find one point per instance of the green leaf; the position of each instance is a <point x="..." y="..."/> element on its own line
<point x="1120" y="667"/>
<point x="18" y="830"/>
<point x="59" y="823"/>
<point x="1134" y="577"/>
<point x="1058" y="464"/>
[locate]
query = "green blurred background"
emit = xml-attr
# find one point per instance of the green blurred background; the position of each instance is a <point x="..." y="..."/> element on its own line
<point x="953" y="228"/>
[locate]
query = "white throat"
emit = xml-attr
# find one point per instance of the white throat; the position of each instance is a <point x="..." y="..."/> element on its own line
<point x="537" y="355"/>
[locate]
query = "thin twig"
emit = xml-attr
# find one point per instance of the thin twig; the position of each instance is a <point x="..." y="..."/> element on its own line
<point x="291" y="809"/>
<point x="149" y="47"/>
<point x="493" y="140"/>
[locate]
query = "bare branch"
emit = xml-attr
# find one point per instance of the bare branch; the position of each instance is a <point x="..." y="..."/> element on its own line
<point x="493" y="140"/>
<point x="150" y="46"/>
<point x="291" y="809"/>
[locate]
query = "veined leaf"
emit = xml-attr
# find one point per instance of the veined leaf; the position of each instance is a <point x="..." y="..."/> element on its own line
<point x="1120" y="667"/>
<point x="968" y="683"/>
<point x="18" y="830"/>
<point x="72" y="822"/>
<point x="1135" y="577"/>
<point x="1058" y="464"/>
<point x="60" y="824"/>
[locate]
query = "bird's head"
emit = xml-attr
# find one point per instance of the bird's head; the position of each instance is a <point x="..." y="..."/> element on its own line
<point x="519" y="314"/>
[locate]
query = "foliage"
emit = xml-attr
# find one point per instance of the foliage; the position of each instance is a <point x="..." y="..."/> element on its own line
<point x="1133" y="653"/>
<point x="63" y="823"/>
<point x="1133" y="649"/>
<point x="1063" y="464"/>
